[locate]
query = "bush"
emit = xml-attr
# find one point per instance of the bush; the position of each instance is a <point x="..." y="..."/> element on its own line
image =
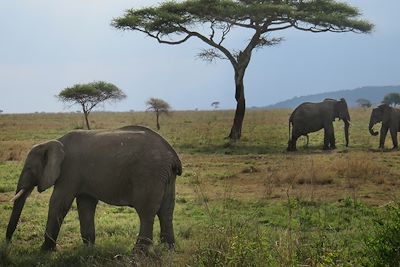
<point x="232" y="246"/>
<point x="383" y="245"/>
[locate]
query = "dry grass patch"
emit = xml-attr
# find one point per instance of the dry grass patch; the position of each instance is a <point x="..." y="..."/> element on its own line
<point x="359" y="166"/>
<point x="309" y="172"/>
<point x="14" y="151"/>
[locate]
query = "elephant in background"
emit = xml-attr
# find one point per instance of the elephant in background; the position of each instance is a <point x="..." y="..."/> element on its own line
<point x="311" y="117"/>
<point x="131" y="166"/>
<point x="390" y="118"/>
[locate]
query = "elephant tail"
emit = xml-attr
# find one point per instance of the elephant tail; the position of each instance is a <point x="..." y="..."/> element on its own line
<point x="177" y="166"/>
<point x="291" y="118"/>
<point x="290" y="121"/>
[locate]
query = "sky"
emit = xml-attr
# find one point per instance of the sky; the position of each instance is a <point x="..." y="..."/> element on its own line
<point x="48" y="45"/>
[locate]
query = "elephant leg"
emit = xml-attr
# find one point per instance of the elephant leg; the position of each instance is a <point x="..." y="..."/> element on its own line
<point x="145" y="238"/>
<point x="289" y="147"/>
<point x="59" y="206"/>
<point x="382" y="137"/>
<point x="165" y="215"/>
<point x="328" y="132"/>
<point x="293" y="141"/>
<point x="86" y="210"/>
<point x="393" y="134"/>
<point x="332" y="141"/>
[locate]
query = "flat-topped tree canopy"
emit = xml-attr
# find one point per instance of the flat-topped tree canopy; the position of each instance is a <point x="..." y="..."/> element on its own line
<point x="212" y="20"/>
<point x="183" y="18"/>
<point x="89" y="95"/>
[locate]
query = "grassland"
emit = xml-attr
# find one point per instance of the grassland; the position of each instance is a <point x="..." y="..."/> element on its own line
<point x="244" y="204"/>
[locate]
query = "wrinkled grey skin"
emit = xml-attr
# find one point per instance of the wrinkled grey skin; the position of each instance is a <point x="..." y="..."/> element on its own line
<point x="311" y="117"/>
<point x="132" y="166"/>
<point x="390" y="118"/>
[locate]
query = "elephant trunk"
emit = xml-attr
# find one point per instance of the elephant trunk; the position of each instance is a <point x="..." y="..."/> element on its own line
<point x="370" y="128"/>
<point x="346" y="132"/>
<point x="19" y="202"/>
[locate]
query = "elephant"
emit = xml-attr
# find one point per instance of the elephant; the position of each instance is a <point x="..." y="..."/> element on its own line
<point x="390" y="118"/>
<point x="131" y="166"/>
<point x="311" y="117"/>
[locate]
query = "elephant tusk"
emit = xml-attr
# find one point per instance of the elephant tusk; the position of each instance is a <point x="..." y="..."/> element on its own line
<point x="17" y="195"/>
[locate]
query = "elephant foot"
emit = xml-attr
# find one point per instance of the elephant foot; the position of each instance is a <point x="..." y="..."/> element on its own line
<point x="88" y="244"/>
<point x="291" y="149"/>
<point x="48" y="247"/>
<point x="143" y="246"/>
<point x="333" y="147"/>
<point x="291" y="146"/>
<point x="170" y="246"/>
<point x="168" y="242"/>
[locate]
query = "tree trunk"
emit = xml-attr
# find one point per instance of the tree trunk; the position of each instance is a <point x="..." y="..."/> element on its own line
<point x="86" y="119"/>
<point x="236" y="130"/>
<point x="158" y="123"/>
<point x="86" y="112"/>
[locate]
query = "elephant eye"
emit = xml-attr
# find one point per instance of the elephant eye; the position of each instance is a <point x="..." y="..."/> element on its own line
<point x="30" y="170"/>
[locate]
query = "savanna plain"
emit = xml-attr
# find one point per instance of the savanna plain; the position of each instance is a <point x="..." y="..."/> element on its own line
<point x="248" y="203"/>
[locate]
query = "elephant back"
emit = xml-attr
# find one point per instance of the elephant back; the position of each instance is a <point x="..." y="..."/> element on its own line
<point x="298" y="109"/>
<point x="177" y="165"/>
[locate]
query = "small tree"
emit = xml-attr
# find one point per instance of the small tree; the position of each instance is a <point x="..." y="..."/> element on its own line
<point x="364" y="103"/>
<point x="159" y="106"/>
<point x="215" y="104"/>
<point x="90" y="95"/>
<point x="392" y="99"/>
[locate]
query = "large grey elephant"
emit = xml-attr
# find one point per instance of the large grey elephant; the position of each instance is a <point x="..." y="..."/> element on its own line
<point x="390" y="118"/>
<point x="311" y="117"/>
<point x="132" y="166"/>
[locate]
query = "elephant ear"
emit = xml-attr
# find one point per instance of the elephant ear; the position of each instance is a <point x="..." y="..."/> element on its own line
<point x="384" y="107"/>
<point x="337" y="106"/>
<point x="53" y="158"/>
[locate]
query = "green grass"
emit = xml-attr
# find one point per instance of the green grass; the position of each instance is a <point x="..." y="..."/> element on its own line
<point x="248" y="203"/>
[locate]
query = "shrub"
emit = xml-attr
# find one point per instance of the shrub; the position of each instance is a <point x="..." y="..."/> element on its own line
<point x="232" y="246"/>
<point x="383" y="245"/>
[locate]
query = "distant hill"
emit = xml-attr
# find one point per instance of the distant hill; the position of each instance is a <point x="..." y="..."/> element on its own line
<point x="374" y="94"/>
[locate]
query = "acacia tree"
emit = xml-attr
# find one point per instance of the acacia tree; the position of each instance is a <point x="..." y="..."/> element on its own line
<point x="392" y="99"/>
<point x="159" y="106"/>
<point x="89" y="95"/>
<point x="364" y="103"/>
<point x="212" y="22"/>
<point x="215" y="104"/>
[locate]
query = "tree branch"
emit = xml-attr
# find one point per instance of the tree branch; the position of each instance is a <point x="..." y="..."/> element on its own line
<point x="281" y="28"/>
<point x="161" y="41"/>
<point x="225" y="31"/>
<point x="316" y="29"/>
<point x="212" y="30"/>
<point x="213" y="44"/>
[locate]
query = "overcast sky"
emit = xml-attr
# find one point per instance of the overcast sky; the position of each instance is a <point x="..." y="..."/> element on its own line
<point x="47" y="45"/>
